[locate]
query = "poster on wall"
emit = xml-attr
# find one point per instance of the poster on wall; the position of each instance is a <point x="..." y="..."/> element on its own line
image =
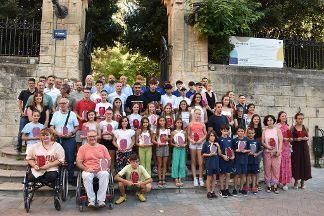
<point x="257" y="52"/>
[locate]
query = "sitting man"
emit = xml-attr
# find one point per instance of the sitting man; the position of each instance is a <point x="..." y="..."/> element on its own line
<point x="134" y="173"/>
<point x="93" y="160"/>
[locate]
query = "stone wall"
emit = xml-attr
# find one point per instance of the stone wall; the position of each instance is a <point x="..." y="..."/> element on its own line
<point x="14" y="73"/>
<point x="273" y="90"/>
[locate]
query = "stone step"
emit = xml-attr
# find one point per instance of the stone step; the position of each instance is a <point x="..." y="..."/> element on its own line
<point x="19" y="60"/>
<point x="15" y="176"/>
<point x="10" y="152"/>
<point x="12" y="164"/>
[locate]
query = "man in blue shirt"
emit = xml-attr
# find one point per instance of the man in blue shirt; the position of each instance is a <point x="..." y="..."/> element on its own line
<point x="192" y="90"/>
<point x="177" y="92"/>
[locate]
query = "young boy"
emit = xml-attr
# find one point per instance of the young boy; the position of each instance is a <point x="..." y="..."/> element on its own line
<point x="241" y="149"/>
<point x="253" y="160"/>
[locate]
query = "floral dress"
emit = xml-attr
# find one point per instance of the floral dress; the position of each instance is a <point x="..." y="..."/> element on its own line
<point x="285" y="166"/>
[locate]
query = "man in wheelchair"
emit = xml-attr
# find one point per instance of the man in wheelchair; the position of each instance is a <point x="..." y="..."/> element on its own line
<point x="136" y="177"/>
<point x="93" y="160"/>
<point x="44" y="159"/>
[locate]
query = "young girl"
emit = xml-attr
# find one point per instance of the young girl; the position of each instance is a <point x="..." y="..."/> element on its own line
<point x="184" y="114"/>
<point x="285" y="166"/>
<point x="179" y="142"/>
<point x="31" y="131"/>
<point x="106" y="134"/>
<point x="250" y="112"/>
<point x="90" y="125"/>
<point x="161" y="140"/>
<point x="196" y="135"/>
<point x="226" y="160"/>
<point x="118" y="109"/>
<point x="151" y="115"/>
<point x="197" y="103"/>
<point x="210" y="152"/>
<point x="102" y="106"/>
<point x="253" y="161"/>
<point x="144" y="143"/>
<point x="168" y="114"/>
<point x="135" y="117"/>
<point x="272" y="143"/>
<point x="124" y="139"/>
<point x="228" y="111"/>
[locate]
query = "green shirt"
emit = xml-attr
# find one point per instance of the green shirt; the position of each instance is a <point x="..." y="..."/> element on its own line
<point x="128" y="170"/>
<point x="47" y="101"/>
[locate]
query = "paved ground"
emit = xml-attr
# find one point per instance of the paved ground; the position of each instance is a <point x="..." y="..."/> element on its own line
<point x="190" y="202"/>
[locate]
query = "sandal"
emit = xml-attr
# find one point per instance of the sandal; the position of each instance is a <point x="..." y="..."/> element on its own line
<point x="160" y="184"/>
<point x="177" y="183"/>
<point x="163" y="183"/>
<point x="302" y="185"/>
<point x="181" y="183"/>
<point x="296" y="185"/>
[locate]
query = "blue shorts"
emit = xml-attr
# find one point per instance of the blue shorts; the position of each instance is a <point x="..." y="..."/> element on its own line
<point x="253" y="168"/>
<point x="240" y="168"/>
<point x="225" y="167"/>
<point x="210" y="172"/>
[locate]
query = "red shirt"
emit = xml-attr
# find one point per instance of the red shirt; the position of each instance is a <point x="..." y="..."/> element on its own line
<point x="82" y="106"/>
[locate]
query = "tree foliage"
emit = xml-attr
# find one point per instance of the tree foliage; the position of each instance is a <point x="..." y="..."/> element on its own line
<point x="100" y="20"/>
<point x="220" y="19"/>
<point x="118" y="61"/>
<point x="21" y="9"/>
<point x="146" y="21"/>
<point x="298" y="19"/>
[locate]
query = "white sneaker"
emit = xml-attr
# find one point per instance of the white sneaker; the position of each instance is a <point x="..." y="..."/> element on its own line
<point x="201" y="182"/>
<point x="285" y="188"/>
<point x="91" y="204"/>
<point x="196" y="184"/>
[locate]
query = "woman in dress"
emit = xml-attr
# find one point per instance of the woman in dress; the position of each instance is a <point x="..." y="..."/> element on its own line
<point x="285" y="167"/>
<point x="300" y="159"/>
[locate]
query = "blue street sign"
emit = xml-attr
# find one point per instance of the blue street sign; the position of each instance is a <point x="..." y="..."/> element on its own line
<point x="60" y="34"/>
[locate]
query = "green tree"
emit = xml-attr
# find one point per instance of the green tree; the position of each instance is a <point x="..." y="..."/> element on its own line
<point x="146" y="21"/>
<point x="100" y="20"/>
<point x="118" y="61"/>
<point x="220" y="19"/>
<point x="299" y="19"/>
<point x="21" y="9"/>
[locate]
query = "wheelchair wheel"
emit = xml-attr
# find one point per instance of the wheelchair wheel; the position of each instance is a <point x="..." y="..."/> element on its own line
<point x="78" y="189"/>
<point x="111" y="192"/>
<point x="26" y="195"/>
<point x="57" y="203"/>
<point x="64" y="184"/>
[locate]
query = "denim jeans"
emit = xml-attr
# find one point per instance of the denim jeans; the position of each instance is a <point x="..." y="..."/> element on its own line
<point x="69" y="146"/>
<point x="22" y="122"/>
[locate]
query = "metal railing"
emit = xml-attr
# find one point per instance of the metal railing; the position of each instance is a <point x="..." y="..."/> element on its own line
<point x="19" y="37"/>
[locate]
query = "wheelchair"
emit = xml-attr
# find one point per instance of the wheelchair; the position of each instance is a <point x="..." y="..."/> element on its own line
<point x="81" y="195"/>
<point x="60" y="187"/>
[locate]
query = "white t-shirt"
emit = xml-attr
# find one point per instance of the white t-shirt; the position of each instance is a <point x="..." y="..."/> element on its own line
<point x="106" y="127"/>
<point x="101" y="108"/>
<point x="153" y="122"/>
<point x="59" y="119"/>
<point x="165" y="132"/>
<point x="124" y="138"/>
<point x="32" y="130"/>
<point x="134" y="119"/>
<point x="96" y="97"/>
<point x="165" y="99"/>
<point x="53" y="92"/>
<point x="179" y="99"/>
<point x="145" y="138"/>
<point x="40" y="154"/>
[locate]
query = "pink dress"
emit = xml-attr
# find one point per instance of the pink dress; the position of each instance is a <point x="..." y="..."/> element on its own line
<point x="285" y="166"/>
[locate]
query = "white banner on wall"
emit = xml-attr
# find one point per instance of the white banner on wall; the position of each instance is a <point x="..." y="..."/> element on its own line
<point x="256" y="52"/>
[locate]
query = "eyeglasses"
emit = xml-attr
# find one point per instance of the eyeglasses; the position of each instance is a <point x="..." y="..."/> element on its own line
<point x="62" y="103"/>
<point x="94" y="136"/>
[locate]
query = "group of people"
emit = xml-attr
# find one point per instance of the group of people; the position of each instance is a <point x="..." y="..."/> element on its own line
<point x="163" y="127"/>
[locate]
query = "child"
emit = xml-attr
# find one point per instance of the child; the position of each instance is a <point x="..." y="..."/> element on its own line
<point x="253" y="160"/>
<point x="118" y="109"/>
<point x="239" y="120"/>
<point x="144" y="143"/>
<point x="151" y="114"/>
<point x="241" y="149"/>
<point x="102" y="106"/>
<point x="225" y="160"/>
<point x="210" y="152"/>
<point x="168" y="114"/>
<point x="31" y="131"/>
<point x="106" y="135"/>
<point x="196" y="135"/>
<point x="90" y="125"/>
<point x="184" y="113"/>
<point x="135" y="117"/>
<point x="179" y="142"/>
<point x="124" y="139"/>
<point x="161" y="140"/>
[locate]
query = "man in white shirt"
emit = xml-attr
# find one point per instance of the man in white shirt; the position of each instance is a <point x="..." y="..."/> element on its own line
<point x="126" y="89"/>
<point x="117" y="94"/>
<point x="168" y="98"/>
<point x="51" y="90"/>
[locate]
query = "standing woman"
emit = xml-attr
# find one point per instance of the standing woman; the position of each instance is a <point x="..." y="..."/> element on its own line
<point x="211" y="99"/>
<point x="285" y="167"/>
<point x="300" y="159"/>
<point x="38" y="105"/>
<point x="197" y="103"/>
<point x="250" y="112"/>
<point x="272" y="144"/>
<point x="228" y="112"/>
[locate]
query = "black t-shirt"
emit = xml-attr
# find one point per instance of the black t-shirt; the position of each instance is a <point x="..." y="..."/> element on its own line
<point x="42" y="117"/>
<point x="152" y="96"/>
<point x="24" y="95"/>
<point x="136" y="99"/>
<point x="216" y="122"/>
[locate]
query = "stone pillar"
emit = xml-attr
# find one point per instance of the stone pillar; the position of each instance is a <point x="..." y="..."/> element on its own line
<point x="188" y="51"/>
<point x="62" y="57"/>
